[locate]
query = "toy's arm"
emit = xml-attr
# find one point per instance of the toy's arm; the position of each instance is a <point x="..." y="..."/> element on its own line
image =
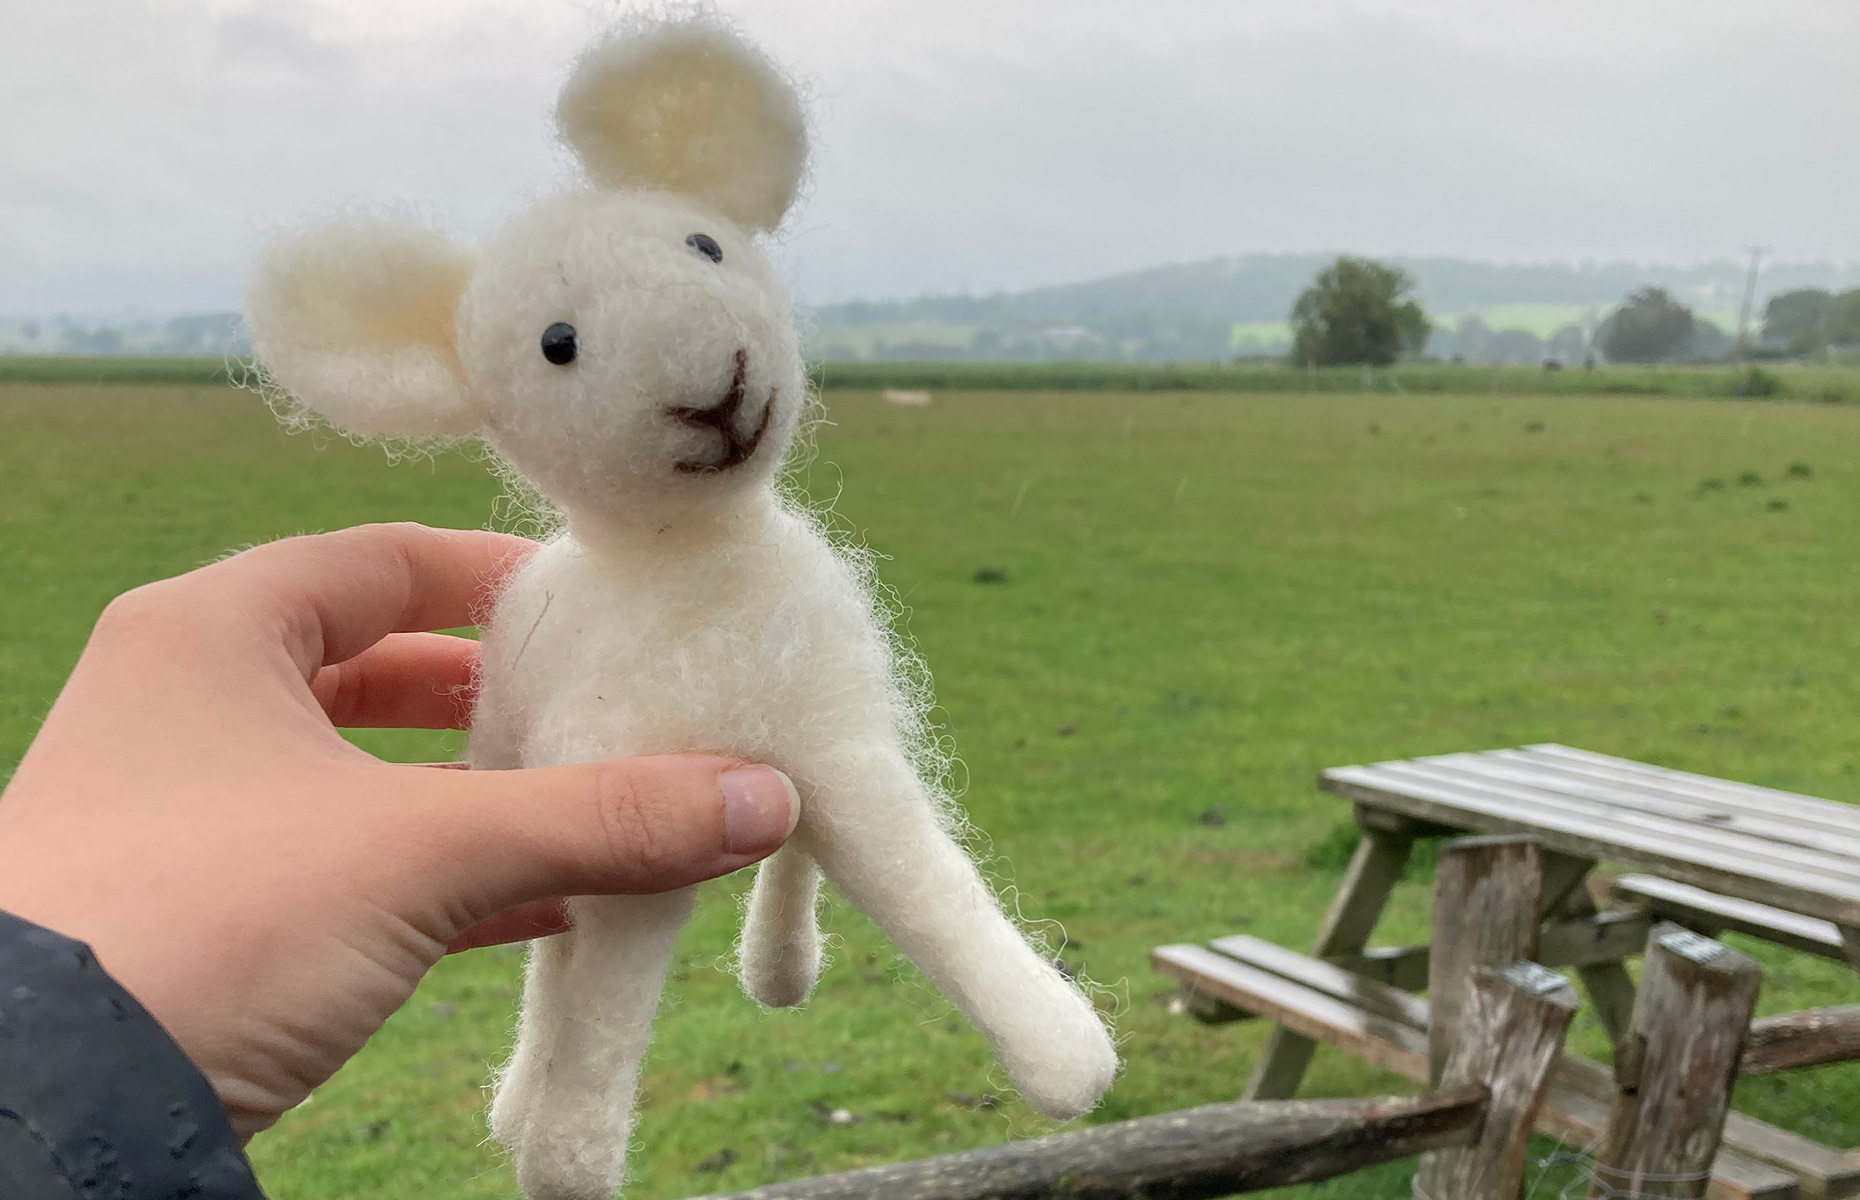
<point x="778" y="961"/>
<point x="872" y="826"/>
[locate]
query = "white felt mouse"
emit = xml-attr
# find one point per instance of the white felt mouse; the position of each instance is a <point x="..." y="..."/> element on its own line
<point x="628" y="350"/>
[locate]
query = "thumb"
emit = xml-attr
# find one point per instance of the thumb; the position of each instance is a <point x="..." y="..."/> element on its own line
<point x="631" y="826"/>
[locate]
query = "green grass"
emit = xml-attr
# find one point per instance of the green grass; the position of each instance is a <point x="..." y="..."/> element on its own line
<point x="123" y="369"/>
<point x="1821" y="384"/>
<point x="1193" y="603"/>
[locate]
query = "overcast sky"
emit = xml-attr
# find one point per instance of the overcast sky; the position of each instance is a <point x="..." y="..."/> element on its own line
<point x="146" y="145"/>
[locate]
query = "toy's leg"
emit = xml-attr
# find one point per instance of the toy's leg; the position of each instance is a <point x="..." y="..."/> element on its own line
<point x="885" y="849"/>
<point x="520" y="1082"/>
<point x="578" y="1058"/>
<point x="778" y="961"/>
<point x="494" y="746"/>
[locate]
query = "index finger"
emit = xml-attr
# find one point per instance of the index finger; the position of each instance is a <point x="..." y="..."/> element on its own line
<point x="333" y="595"/>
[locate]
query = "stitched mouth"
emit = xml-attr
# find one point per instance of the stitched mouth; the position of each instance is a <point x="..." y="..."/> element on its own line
<point x="721" y="417"/>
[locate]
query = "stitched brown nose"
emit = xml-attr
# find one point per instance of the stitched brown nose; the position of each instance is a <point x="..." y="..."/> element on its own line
<point x="721" y="416"/>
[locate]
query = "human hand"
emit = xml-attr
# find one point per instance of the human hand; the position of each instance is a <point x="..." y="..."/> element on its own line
<point x="270" y="892"/>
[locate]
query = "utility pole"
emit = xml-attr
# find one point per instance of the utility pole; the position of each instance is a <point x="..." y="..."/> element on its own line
<point x="1750" y="295"/>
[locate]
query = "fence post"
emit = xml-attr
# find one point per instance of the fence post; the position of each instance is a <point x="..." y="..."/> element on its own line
<point x="1195" y="1154"/>
<point x="1675" y="1067"/>
<point x="1485" y="915"/>
<point x="1512" y="1026"/>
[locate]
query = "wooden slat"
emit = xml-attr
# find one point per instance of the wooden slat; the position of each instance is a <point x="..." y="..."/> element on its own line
<point x="1840" y="822"/>
<point x="1688" y="904"/>
<point x="1498" y="766"/>
<point x="1762" y="799"/>
<point x="1454" y="795"/>
<point x="1821" y="1172"/>
<point x="1374" y="1038"/>
<point x="1532" y="798"/>
<point x="1403" y="967"/>
<point x="1576" y="1108"/>
<point x="1333" y="981"/>
<point x="1730" y="800"/>
<point x="1710" y="868"/>
<point x="1209" y="1011"/>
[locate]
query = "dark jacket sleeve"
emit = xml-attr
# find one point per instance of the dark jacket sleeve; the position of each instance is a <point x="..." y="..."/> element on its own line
<point x="96" y="1100"/>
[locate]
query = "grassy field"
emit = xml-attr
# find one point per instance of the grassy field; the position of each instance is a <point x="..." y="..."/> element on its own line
<point x="120" y="369"/>
<point x="1830" y="385"/>
<point x="1837" y="384"/>
<point x="1153" y="617"/>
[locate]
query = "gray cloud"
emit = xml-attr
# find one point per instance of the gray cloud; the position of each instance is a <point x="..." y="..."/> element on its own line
<point x="966" y="143"/>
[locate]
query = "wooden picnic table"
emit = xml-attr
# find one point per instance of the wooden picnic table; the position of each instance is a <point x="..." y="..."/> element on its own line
<point x="1711" y="853"/>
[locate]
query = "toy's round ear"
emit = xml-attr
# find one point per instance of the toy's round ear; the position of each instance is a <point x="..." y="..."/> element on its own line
<point x="356" y="321"/>
<point x="688" y="107"/>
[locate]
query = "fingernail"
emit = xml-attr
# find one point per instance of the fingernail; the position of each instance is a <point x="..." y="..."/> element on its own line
<point x="760" y="808"/>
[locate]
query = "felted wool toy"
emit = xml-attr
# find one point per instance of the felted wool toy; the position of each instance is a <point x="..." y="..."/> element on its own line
<point x="627" y="348"/>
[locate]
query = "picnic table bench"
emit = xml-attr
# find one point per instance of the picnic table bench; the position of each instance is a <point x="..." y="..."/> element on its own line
<point x="1707" y="854"/>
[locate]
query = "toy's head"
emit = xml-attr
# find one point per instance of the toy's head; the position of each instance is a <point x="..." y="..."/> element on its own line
<point x="627" y="347"/>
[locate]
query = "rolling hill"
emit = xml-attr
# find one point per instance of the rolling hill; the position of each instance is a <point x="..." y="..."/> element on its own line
<point x="1220" y="307"/>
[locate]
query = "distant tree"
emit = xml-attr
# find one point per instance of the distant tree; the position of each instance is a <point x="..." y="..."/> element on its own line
<point x="1650" y="326"/>
<point x="1844" y="320"/>
<point x="1515" y="346"/>
<point x="1799" y="321"/>
<point x="1569" y="344"/>
<point x="203" y="333"/>
<point x="1706" y="342"/>
<point x="1464" y="342"/>
<point x="102" y="340"/>
<point x="1357" y="311"/>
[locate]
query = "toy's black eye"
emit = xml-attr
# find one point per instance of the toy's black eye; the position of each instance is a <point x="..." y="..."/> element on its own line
<point x="706" y="245"/>
<point x="558" y="343"/>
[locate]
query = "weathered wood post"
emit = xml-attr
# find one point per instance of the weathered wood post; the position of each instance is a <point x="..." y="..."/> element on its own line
<point x="1473" y="1133"/>
<point x="1790" y="1041"/>
<point x="1512" y="1025"/>
<point x="1675" y="1067"/>
<point x="1485" y="915"/>
<point x="1195" y="1154"/>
